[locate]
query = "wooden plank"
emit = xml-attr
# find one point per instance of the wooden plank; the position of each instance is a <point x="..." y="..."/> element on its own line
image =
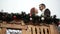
<point x="41" y="28"/>
<point x="38" y="31"/>
<point x="49" y="30"/>
<point x="45" y="31"/>
<point x="33" y="30"/>
<point x="16" y="26"/>
<point x="23" y="31"/>
<point x="55" y="29"/>
<point x="0" y="30"/>
<point x="52" y="29"/>
<point x="3" y="30"/>
<point x="29" y="29"/>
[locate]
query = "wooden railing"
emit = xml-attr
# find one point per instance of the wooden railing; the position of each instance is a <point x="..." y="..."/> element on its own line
<point x="51" y="29"/>
<point x="30" y="29"/>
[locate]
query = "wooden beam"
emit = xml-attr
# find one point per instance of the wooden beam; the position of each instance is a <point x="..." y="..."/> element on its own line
<point x="16" y="26"/>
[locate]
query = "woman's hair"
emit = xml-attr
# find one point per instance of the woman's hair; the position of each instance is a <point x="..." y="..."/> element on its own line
<point x="33" y="10"/>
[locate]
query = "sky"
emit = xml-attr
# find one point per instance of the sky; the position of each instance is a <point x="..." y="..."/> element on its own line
<point x="17" y="6"/>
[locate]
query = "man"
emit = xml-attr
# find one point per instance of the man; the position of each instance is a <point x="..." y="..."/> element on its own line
<point x="44" y="10"/>
<point x="45" y="16"/>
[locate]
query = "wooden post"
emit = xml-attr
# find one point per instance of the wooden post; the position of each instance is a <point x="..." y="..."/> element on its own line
<point x="3" y="30"/>
<point x="38" y="31"/>
<point x="41" y="29"/>
<point x="0" y="30"/>
<point x="23" y="31"/>
<point x="33" y="30"/>
<point x="22" y="23"/>
<point x="52" y="29"/>
<point x="29" y="29"/>
<point x="55" y="29"/>
<point x="45" y="30"/>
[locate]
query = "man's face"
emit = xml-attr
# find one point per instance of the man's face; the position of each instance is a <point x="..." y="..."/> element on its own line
<point x="41" y="7"/>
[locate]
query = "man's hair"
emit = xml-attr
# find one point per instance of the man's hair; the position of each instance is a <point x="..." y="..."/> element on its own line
<point x="43" y="5"/>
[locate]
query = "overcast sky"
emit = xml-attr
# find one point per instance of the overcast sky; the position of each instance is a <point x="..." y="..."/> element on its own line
<point x="16" y="6"/>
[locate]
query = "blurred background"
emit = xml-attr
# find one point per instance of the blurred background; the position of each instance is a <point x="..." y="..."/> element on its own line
<point x="16" y="6"/>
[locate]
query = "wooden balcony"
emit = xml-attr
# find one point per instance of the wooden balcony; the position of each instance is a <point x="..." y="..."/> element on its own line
<point x="29" y="29"/>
